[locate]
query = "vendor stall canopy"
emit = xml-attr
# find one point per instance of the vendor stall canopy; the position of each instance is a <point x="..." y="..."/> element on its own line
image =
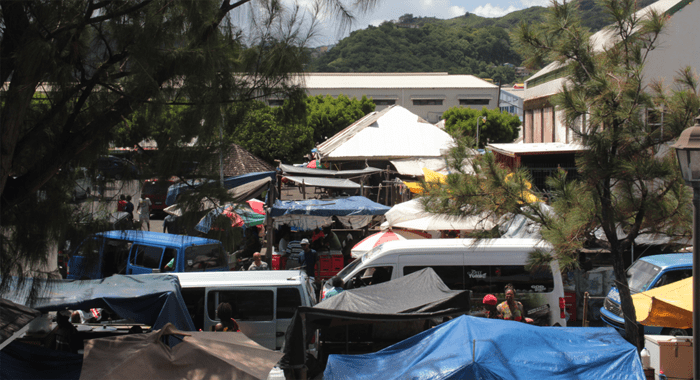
<point x="248" y="186"/>
<point x="355" y="212"/>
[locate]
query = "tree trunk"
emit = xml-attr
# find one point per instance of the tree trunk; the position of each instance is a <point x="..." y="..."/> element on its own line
<point x="632" y="333"/>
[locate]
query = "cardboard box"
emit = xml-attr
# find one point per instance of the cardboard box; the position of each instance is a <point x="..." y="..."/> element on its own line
<point x="673" y="355"/>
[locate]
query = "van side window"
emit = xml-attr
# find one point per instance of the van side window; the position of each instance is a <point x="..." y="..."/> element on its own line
<point x="115" y="256"/>
<point x="248" y="305"/>
<point x="673" y="276"/>
<point x="147" y="256"/>
<point x="452" y="275"/>
<point x="170" y="253"/>
<point x="371" y="276"/>
<point x="194" y="300"/>
<point x="288" y="300"/>
<point x="201" y="257"/>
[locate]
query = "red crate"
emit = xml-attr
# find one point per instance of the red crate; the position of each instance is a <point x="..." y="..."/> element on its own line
<point x="570" y="302"/>
<point x="279" y="262"/>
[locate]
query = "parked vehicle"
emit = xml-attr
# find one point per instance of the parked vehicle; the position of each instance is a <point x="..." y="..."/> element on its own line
<point x="484" y="267"/>
<point x="264" y="302"/>
<point x="644" y="274"/>
<point x="116" y="167"/>
<point x="156" y="190"/>
<point x="139" y="252"/>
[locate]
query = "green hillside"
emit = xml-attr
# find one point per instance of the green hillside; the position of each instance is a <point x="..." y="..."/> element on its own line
<point x="468" y="44"/>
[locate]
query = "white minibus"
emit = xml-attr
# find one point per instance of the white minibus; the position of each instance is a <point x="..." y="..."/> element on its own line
<point x="482" y="266"/>
<point x="263" y="302"/>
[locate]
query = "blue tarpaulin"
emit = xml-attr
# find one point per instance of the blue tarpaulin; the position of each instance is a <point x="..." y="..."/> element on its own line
<point x="353" y="212"/>
<point x="229" y="183"/>
<point x="479" y="348"/>
<point x="357" y="205"/>
<point x="153" y="300"/>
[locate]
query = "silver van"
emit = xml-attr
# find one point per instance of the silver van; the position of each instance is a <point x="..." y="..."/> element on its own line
<point x="484" y="267"/>
<point x="263" y="302"/>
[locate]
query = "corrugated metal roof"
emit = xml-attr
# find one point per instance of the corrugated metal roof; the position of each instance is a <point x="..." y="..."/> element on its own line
<point x="334" y="183"/>
<point x="536" y="148"/>
<point x="393" y="80"/>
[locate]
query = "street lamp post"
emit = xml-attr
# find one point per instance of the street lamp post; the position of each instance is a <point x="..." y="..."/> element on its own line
<point x="688" y="151"/>
<point x="477" y="129"/>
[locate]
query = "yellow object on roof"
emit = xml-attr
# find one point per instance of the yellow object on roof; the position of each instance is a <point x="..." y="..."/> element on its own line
<point x="528" y="196"/>
<point x="668" y="306"/>
<point x="430" y="177"/>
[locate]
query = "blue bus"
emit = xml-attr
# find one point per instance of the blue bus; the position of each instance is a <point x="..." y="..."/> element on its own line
<point x="647" y="273"/>
<point x="137" y="252"/>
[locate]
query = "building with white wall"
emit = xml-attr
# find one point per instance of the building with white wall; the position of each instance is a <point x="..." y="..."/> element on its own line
<point x="678" y="46"/>
<point x="427" y="95"/>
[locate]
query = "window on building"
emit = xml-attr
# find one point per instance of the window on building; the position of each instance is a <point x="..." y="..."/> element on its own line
<point x="427" y="102"/>
<point x="470" y="102"/>
<point x="275" y="102"/>
<point x="384" y="102"/>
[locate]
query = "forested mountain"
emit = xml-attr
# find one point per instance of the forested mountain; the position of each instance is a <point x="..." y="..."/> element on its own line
<point x="468" y="44"/>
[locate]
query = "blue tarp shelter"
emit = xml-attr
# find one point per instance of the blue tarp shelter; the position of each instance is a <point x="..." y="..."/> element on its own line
<point x="309" y="214"/>
<point x="229" y="183"/>
<point x="153" y="300"/>
<point x="479" y="348"/>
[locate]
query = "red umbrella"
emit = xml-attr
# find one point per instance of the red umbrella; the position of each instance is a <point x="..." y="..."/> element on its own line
<point x="257" y="206"/>
<point x="374" y="240"/>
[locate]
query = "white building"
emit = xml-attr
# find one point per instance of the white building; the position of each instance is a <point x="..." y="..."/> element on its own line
<point x="427" y="95"/>
<point x="678" y="46"/>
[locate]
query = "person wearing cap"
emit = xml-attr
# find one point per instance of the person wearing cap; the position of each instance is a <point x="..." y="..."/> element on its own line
<point x="308" y="258"/>
<point x="490" y="307"/>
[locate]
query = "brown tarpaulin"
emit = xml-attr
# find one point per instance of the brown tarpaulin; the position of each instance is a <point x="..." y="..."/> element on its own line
<point x="200" y="355"/>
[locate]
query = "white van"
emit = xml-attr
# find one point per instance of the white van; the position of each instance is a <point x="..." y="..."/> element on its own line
<point x="484" y="267"/>
<point x="263" y="301"/>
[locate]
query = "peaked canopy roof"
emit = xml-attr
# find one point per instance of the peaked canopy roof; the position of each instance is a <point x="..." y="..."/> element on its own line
<point x="394" y="132"/>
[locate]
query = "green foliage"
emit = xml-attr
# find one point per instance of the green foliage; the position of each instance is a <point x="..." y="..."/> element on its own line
<point x="289" y="132"/>
<point x="82" y="75"/>
<point x="327" y="115"/>
<point x="499" y="127"/>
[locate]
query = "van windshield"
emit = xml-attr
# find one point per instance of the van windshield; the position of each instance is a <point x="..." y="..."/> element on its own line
<point x="640" y="275"/>
<point x="202" y="257"/>
<point x="349" y="268"/>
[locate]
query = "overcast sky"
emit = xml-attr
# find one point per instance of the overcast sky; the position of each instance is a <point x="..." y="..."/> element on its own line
<point x="442" y="9"/>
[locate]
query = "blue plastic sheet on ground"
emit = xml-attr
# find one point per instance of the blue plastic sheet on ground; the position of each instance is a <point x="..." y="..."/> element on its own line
<point x="479" y="348"/>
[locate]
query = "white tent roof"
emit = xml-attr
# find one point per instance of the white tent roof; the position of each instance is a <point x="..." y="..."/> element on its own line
<point x="393" y="133"/>
<point x="410" y="215"/>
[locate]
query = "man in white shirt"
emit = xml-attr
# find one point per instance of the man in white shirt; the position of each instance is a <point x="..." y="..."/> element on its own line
<point x="144" y="209"/>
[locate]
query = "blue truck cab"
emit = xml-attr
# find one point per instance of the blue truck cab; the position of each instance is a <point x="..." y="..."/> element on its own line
<point x="644" y="274"/>
<point x="136" y="252"/>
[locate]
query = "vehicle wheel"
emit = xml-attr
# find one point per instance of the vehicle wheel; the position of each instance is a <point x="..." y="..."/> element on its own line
<point x="676" y="332"/>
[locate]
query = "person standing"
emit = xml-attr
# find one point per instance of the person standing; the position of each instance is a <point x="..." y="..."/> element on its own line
<point x="258" y="264"/>
<point x="121" y="203"/>
<point x="308" y="259"/>
<point x="129" y="207"/>
<point x="144" y="209"/>
<point x="225" y="314"/>
<point x="511" y="309"/>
